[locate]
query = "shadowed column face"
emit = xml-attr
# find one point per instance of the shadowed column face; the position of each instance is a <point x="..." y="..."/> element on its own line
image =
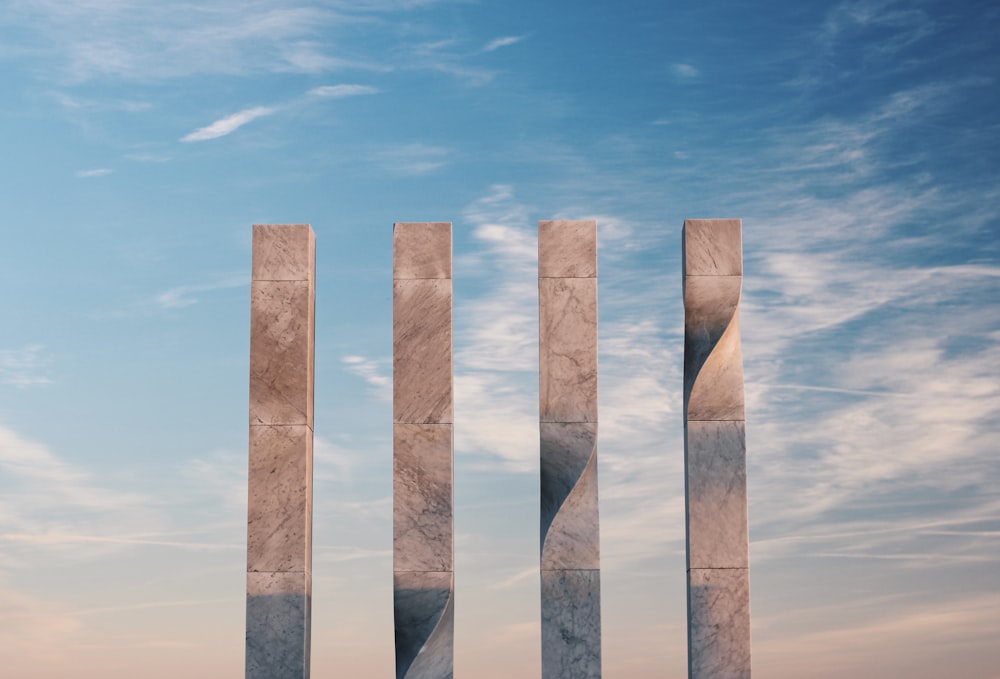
<point x="715" y="452"/>
<point x="570" y="544"/>
<point x="423" y="522"/>
<point x="279" y="515"/>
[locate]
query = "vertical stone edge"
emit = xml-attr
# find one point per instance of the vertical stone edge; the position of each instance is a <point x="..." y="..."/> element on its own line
<point x="718" y="575"/>
<point x="423" y="450"/>
<point x="279" y="563"/>
<point x="568" y="379"/>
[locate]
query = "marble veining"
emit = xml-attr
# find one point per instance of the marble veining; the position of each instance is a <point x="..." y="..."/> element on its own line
<point x="279" y="509"/>
<point x="423" y="522"/>
<point x="279" y="513"/>
<point x="283" y="252"/>
<point x="421" y="250"/>
<point x="567" y="248"/>
<point x="271" y="621"/>
<point x="719" y="623"/>
<point x="568" y="349"/>
<point x="569" y="510"/>
<point x="424" y="614"/>
<point x="281" y="352"/>
<point x="422" y="351"/>
<point x="278" y="626"/>
<point x="571" y="624"/>
<point x="717" y="495"/>
<point x="713" y="247"/>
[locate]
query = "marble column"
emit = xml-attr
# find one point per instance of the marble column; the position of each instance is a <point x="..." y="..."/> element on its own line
<point x="570" y="549"/>
<point x="279" y="516"/>
<point x="423" y="522"/>
<point x="715" y="452"/>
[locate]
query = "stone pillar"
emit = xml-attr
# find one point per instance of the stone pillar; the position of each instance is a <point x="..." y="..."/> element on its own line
<point x="423" y="522"/>
<point x="279" y="515"/>
<point x="715" y="452"/>
<point x="570" y="549"/>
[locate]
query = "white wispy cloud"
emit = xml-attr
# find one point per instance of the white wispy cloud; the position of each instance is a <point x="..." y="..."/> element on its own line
<point x="340" y="91"/>
<point x="96" y="172"/>
<point x="53" y="480"/>
<point x="505" y="41"/>
<point x="184" y="295"/>
<point x="69" y="539"/>
<point x="415" y="158"/>
<point x="147" y="157"/>
<point x="685" y="71"/>
<point x="371" y="371"/>
<point x="228" y="124"/>
<point x="24" y="367"/>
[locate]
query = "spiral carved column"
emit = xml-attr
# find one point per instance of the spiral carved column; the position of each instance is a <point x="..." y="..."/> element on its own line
<point x="570" y="550"/>
<point x="423" y="521"/>
<point x="715" y="452"/>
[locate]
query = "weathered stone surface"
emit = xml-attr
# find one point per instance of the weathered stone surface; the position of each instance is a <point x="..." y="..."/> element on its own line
<point x="568" y="349"/>
<point x="283" y="252"/>
<point x="713" y="247"/>
<point x="719" y="623"/>
<point x="717" y="495"/>
<point x="278" y="625"/>
<point x="281" y="352"/>
<point x="421" y="250"/>
<point x="567" y="249"/>
<point x="279" y="515"/>
<point x="571" y="624"/>
<point x="423" y="522"/>
<point x="422" y="351"/>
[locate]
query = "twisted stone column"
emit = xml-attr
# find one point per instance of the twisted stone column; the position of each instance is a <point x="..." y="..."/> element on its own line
<point x="715" y="452"/>
<point x="570" y="549"/>
<point x="279" y="514"/>
<point x="423" y="522"/>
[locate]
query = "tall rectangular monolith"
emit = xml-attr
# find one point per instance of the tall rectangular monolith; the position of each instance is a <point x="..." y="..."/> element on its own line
<point x="423" y="521"/>
<point x="279" y="515"/>
<point x="718" y="567"/>
<point x="570" y="547"/>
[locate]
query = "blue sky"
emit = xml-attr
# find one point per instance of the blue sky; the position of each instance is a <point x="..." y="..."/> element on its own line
<point x="858" y="140"/>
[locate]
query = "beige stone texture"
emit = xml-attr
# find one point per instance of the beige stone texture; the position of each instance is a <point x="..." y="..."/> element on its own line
<point x="713" y="247"/>
<point x="717" y="495"/>
<point x="421" y="250"/>
<point x="279" y="515"/>
<point x="282" y="328"/>
<point x="283" y="252"/>
<point x="567" y="248"/>
<point x="423" y="521"/>
<point x="422" y="351"/>
<point x="719" y="623"/>
<point x="567" y="349"/>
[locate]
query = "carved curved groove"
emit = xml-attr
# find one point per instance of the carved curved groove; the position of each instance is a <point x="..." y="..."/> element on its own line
<point x="424" y="620"/>
<point x="569" y="511"/>
<point x="713" y="376"/>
